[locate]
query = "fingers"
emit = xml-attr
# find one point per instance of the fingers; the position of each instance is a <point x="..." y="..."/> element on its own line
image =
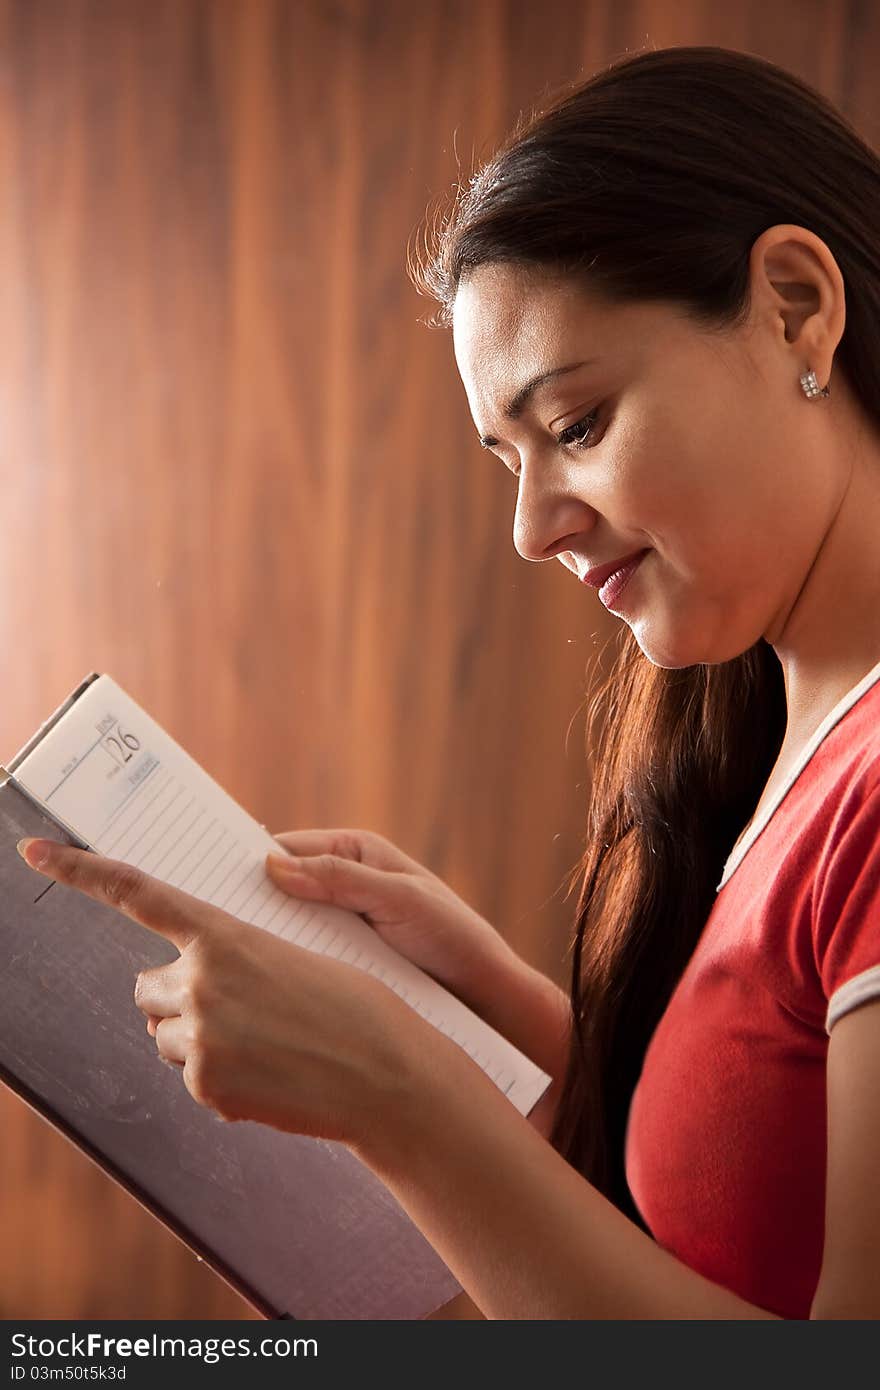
<point x="159" y="996"/>
<point x="343" y="882"/>
<point x="155" y="905"/>
<point x="171" y="1040"/>
<point x="160" y="993"/>
<point x="363" y="846"/>
<point x="348" y="844"/>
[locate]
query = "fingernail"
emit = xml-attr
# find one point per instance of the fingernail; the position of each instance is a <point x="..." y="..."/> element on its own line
<point x="285" y="864"/>
<point x="35" y="853"/>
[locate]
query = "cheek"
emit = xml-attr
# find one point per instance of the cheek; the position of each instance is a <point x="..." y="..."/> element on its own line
<point x="664" y="490"/>
<point x="710" y="501"/>
<point x="700" y="512"/>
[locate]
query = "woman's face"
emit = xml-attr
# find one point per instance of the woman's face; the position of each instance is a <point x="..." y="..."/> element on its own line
<point x="698" y="446"/>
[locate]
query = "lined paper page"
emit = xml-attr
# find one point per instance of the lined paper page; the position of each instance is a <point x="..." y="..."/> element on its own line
<point x="112" y="774"/>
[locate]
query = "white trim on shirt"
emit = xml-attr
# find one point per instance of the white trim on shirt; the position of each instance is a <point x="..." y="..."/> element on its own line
<point x="840" y="709"/>
<point x="858" y="990"/>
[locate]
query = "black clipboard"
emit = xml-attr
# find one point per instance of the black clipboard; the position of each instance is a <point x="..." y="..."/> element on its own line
<point x="299" y="1227"/>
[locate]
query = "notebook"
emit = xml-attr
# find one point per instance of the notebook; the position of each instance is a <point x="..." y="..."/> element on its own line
<point x="298" y="1226"/>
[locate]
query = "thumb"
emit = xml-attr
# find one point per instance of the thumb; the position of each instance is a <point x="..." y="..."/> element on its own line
<point x="344" y="882"/>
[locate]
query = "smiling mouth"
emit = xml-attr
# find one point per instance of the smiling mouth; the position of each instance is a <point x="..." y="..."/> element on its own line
<point x="598" y="575"/>
<point x="616" y="582"/>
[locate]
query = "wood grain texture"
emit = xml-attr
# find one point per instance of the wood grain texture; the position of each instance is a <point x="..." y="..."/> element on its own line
<point x="238" y="472"/>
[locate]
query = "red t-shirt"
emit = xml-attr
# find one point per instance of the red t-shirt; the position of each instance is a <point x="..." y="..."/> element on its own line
<point x="725" y="1145"/>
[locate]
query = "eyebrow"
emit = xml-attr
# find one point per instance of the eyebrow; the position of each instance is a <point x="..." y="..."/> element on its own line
<point x="517" y="403"/>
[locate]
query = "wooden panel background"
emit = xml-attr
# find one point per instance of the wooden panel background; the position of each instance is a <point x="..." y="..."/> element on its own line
<point x="239" y="474"/>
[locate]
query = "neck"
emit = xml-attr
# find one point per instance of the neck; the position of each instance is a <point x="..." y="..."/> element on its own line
<point x="830" y="638"/>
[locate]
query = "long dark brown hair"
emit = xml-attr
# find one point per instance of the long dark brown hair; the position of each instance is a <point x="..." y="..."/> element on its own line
<point x="651" y="181"/>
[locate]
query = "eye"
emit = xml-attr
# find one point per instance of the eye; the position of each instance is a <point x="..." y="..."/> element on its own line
<point x="580" y="434"/>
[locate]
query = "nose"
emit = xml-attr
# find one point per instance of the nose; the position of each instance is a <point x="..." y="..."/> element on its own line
<point x="548" y="518"/>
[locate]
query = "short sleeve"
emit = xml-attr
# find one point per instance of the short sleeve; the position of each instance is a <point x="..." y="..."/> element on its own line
<point x="846" y="905"/>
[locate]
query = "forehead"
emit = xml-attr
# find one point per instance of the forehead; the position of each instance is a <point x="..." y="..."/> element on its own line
<point x="510" y="322"/>
<point x="504" y="311"/>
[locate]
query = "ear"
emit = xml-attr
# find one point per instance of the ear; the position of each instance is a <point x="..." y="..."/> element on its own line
<point x="797" y="283"/>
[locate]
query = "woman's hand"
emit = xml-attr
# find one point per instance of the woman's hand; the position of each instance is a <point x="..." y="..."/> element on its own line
<point x="264" y="1030"/>
<point x="407" y="905"/>
<point x="422" y="918"/>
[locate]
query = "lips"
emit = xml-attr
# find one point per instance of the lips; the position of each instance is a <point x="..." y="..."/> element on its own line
<point x="596" y="577"/>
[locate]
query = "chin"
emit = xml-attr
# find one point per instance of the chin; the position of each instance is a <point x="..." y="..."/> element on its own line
<point x="675" y="651"/>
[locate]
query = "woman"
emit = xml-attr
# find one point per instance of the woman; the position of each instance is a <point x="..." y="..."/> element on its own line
<point x="665" y="300"/>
